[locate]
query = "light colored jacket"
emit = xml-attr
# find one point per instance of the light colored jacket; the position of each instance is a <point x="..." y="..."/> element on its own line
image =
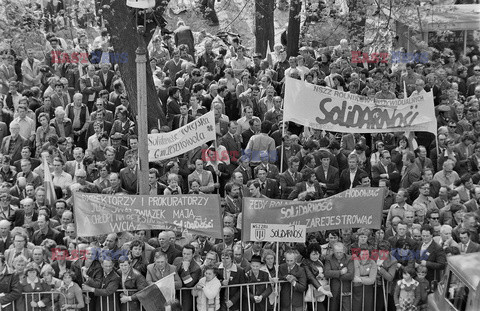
<point x="208" y="298"/>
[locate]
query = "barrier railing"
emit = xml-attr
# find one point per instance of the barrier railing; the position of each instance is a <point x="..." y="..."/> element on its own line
<point x="380" y="291"/>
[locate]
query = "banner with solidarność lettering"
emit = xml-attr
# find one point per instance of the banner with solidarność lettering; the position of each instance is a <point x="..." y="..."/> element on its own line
<point x="164" y="146"/>
<point x="98" y="214"/>
<point x="325" y="108"/>
<point x="353" y="208"/>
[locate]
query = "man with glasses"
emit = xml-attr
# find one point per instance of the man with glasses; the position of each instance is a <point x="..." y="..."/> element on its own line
<point x="433" y="217"/>
<point x="424" y="196"/>
<point x="85" y="186"/>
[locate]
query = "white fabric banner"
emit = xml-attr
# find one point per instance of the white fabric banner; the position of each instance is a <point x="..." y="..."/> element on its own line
<point x="327" y="109"/>
<point x="164" y="146"/>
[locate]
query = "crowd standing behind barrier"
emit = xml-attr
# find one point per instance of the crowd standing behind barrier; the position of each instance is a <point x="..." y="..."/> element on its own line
<point x="73" y="120"/>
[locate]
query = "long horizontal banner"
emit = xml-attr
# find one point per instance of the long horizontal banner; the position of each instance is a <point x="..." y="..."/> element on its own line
<point x="164" y="146"/>
<point x="353" y="208"/>
<point x="325" y="108"/>
<point x="98" y="214"/>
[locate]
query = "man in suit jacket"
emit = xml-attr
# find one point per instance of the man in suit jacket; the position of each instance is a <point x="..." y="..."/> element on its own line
<point x="466" y="245"/>
<point x="302" y="190"/>
<point x="289" y="149"/>
<point x="160" y="269"/>
<point x="13" y="144"/>
<point x="268" y="187"/>
<point x="422" y="161"/>
<point x="115" y="185"/>
<point x="90" y="85"/>
<point x="427" y="175"/>
<point x="346" y="181"/>
<point x="252" y="130"/>
<point x="233" y="143"/>
<point x="3" y="130"/>
<point x="327" y="175"/>
<point x="290" y="178"/>
<point x="5" y="238"/>
<point x="183" y="118"/>
<point x="270" y="168"/>
<point x="291" y="292"/>
<point x="59" y="98"/>
<point x="385" y="169"/>
<point x="106" y="76"/>
<point x="128" y="175"/>
<point x="221" y="126"/>
<point x="10" y="286"/>
<point x="189" y="272"/>
<point x="410" y="173"/>
<point x="26" y="153"/>
<point x="430" y="255"/>
<point x="203" y="176"/>
<point x="106" y="288"/>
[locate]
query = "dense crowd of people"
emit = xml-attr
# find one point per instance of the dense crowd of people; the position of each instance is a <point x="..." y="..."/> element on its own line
<point x="76" y="119"/>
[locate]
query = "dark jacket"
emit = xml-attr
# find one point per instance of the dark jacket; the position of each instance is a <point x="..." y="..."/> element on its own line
<point x="263" y="290"/>
<point x="436" y="260"/>
<point x="236" y="277"/>
<point x="136" y="282"/>
<point x="332" y="181"/>
<point x="107" y="287"/>
<point x="289" y="297"/>
<point x="11" y="287"/>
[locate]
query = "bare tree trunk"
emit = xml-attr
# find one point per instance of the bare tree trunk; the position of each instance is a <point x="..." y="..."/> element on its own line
<point x="264" y="27"/>
<point x="121" y="25"/>
<point x="293" y="32"/>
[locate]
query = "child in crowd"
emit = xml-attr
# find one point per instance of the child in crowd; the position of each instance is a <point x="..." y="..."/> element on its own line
<point x="407" y="291"/>
<point x="424" y="287"/>
<point x="173" y="187"/>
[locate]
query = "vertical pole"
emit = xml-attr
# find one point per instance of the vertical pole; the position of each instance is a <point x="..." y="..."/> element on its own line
<point x="141" y="61"/>
<point x="276" y="276"/>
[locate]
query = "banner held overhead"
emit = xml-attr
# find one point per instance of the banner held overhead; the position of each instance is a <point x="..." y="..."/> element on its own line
<point x="325" y="108"/>
<point x="353" y="208"/>
<point x="163" y="146"/>
<point x="99" y="214"/>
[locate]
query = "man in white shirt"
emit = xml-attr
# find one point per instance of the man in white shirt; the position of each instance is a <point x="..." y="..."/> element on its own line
<point x="27" y="125"/>
<point x="60" y="178"/>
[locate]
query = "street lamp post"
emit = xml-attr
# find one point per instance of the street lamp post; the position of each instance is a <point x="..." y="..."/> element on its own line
<point x="142" y="119"/>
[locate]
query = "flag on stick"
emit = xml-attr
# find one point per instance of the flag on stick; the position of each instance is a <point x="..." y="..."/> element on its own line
<point x="154" y="297"/>
<point x="50" y="195"/>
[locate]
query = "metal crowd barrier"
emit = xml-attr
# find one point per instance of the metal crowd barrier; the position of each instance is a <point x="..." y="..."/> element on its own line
<point x="23" y="303"/>
<point x="266" y="305"/>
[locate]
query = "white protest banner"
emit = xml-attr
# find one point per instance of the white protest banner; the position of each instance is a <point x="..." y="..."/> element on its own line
<point x="164" y="146"/>
<point x="278" y="233"/>
<point x="324" y="108"/>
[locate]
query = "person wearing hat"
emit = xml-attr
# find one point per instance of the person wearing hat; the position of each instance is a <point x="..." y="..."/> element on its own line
<point x="120" y="149"/>
<point x="34" y="284"/>
<point x="257" y="294"/>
